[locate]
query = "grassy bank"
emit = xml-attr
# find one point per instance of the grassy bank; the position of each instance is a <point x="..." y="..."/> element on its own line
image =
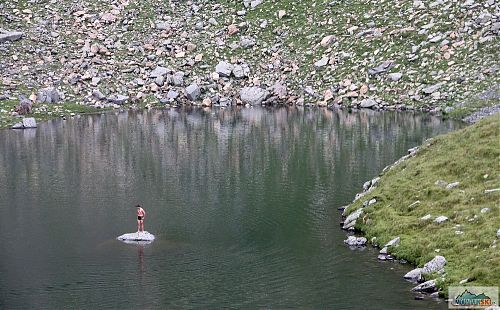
<point x="468" y="238"/>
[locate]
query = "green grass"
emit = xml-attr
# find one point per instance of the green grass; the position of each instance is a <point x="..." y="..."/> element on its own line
<point x="470" y="156"/>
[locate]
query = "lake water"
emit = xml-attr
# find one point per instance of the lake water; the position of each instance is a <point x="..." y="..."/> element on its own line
<point x="243" y="203"/>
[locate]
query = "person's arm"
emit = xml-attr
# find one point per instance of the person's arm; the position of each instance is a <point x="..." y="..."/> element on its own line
<point x="143" y="213"/>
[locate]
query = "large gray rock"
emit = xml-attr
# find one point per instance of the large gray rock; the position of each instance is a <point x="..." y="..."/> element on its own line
<point x="431" y="89"/>
<point x="395" y="76"/>
<point x="322" y="62"/>
<point x="193" y="92"/>
<point x="428" y="286"/>
<point x="440" y="219"/>
<point x="118" y="99"/>
<point x="178" y="79"/>
<point x="434" y="265"/>
<point x="414" y="275"/>
<point x="224" y="69"/>
<point x="253" y="95"/>
<point x="10" y="36"/>
<point x="142" y="237"/>
<point x="355" y="241"/>
<point x="393" y="242"/>
<point x="241" y="71"/>
<point x="351" y="218"/>
<point x="383" y="67"/>
<point x="158" y="71"/>
<point x="29" y="122"/>
<point x="48" y="95"/>
<point x="368" y="103"/>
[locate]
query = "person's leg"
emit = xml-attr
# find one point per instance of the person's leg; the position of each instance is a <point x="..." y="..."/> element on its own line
<point x="138" y="225"/>
<point x="142" y="225"/>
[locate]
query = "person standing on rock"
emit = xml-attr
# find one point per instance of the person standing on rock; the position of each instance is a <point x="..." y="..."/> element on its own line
<point x="141" y="214"/>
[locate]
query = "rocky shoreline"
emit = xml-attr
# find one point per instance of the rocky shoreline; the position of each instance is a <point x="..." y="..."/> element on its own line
<point x="131" y="53"/>
<point x="427" y="277"/>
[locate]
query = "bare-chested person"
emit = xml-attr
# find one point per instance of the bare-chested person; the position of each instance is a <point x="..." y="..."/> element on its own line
<point x="141" y="214"/>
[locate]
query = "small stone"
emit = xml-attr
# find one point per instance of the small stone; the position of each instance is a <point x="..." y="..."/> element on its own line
<point x="395" y="76"/>
<point x="434" y="265"/>
<point x="368" y="103"/>
<point x="322" y="62"/>
<point x="463" y="281"/>
<point x="193" y="92"/>
<point x="427" y="286"/>
<point x="393" y="242"/>
<point x="440" y="219"/>
<point x="485" y="210"/>
<point x="431" y="89"/>
<point x="414" y="275"/>
<point x="354" y="241"/>
<point x="232" y="29"/>
<point x="18" y="126"/>
<point x="118" y="99"/>
<point x="29" y="122"/>
<point x="158" y="71"/>
<point x="253" y="95"/>
<point x="326" y="41"/>
<point x="383" y="67"/>
<point x="224" y="69"/>
<point x="10" y="36"/>
<point x="452" y="185"/>
<point x="426" y="217"/>
<point x="384" y="250"/>
<point x="281" y="14"/>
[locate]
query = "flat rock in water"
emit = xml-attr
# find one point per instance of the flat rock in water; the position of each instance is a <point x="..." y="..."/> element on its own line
<point x="144" y="237"/>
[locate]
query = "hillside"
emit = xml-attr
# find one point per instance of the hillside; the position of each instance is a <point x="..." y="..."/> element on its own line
<point x="435" y="56"/>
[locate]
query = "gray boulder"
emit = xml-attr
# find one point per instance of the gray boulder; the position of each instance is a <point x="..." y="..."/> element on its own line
<point x="395" y="76"/>
<point x="368" y="103"/>
<point x="393" y="242"/>
<point x="48" y="95"/>
<point x="355" y="241"/>
<point x="172" y="95"/>
<point x="383" y="67"/>
<point x="440" y="219"/>
<point x="350" y="220"/>
<point x="118" y="99"/>
<point x="431" y="89"/>
<point x="253" y="95"/>
<point x="428" y="286"/>
<point x="414" y="275"/>
<point x="193" y="92"/>
<point x="178" y="79"/>
<point x="224" y="69"/>
<point x="29" y="122"/>
<point x="241" y="71"/>
<point x="322" y="62"/>
<point x="96" y="94"/>
<point x="10" y="36"/>
<point x="434" y="265"/>
<point x="158" y="71"/>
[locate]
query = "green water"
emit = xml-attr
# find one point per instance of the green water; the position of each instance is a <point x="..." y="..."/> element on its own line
<point x="243" y="203"/>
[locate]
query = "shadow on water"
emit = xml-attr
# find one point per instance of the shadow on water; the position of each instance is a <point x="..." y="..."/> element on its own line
<point x="243" y="203"/>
